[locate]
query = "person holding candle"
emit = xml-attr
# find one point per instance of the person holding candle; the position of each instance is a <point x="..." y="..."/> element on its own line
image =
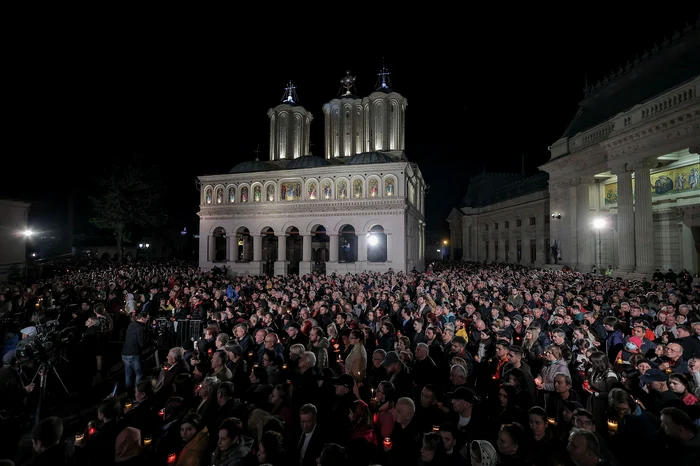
<point x="195" y="439"/>
<point x="674" y="359"/>
<point x="356" y="362"/>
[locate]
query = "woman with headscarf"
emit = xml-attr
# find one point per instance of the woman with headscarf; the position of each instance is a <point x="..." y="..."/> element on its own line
<point x="481" y="453"/>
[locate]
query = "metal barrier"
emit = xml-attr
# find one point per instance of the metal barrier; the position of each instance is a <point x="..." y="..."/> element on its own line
<point x="175" y="333"/>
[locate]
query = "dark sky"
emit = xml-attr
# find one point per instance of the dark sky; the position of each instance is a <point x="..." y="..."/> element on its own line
<point x="482" y="93"/>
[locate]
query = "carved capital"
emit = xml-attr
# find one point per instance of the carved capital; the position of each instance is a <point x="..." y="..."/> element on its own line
<point x="620" y="169"/>
<point x="643" y="164"/>
<point x="579" y="180"/>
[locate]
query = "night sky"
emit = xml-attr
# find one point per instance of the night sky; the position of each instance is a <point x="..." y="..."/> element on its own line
<point x="482" y="94"/>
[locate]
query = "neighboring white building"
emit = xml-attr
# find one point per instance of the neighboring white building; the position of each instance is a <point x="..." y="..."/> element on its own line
<point x="504" y="218"/>
<point x="13" y="241"/>
<point x="359" y="209"/>
<point x="625" y="176"/>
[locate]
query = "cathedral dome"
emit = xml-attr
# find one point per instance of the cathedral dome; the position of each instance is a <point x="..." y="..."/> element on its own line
<point x="250" y="166"/>
<point x="369" y="157"/>
<point x="306" y="161"/>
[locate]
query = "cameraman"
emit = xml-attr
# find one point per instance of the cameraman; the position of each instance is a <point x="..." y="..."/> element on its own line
<point x="14" y="391"/>
<point x="136" y="343"/>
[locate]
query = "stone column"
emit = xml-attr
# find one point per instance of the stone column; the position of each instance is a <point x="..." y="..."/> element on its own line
<point x="257" y="248"/>
<point x="584" y="229"/>
<point x="246" y="248"/>
<point x="625" y="220"/>
<point x="306" y="262"/>
<point x="230" y="253"/>
<point x="333" y="248"/>
<point x="362" y="247"/>
<point x="306" y="248"/>
<point x="643" y="217"/>
<point x="389" y="247"/>
<point x="211" y="252"/>
<point x="281" y="263"/>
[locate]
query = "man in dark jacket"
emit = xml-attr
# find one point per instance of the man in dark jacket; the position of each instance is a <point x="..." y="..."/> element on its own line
<point x="46" y="440"/>
<point x="136" y="342"/>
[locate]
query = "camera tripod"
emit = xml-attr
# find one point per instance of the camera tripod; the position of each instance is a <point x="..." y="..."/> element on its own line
<point x="43" y="374"/>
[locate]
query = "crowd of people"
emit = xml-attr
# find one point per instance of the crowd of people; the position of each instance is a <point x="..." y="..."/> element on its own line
<point x="464" y="364"/>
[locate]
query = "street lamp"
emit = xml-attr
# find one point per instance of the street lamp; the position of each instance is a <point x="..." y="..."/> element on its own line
<point x="599" y="224"/>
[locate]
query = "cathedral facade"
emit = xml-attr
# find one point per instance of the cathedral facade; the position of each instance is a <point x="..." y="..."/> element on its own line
<point x="624" y="179"/>
<point x="360" y="208"/>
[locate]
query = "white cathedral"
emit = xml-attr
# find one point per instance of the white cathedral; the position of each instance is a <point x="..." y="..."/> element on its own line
<point x="361" y="208"/>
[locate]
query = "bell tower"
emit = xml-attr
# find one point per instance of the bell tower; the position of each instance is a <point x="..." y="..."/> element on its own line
<point x="289" y="127"/>
<point x="385" y="116"/>
<point x="343" y="121"/>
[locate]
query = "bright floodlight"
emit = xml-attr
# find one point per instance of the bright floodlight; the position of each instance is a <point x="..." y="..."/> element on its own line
<point x="373" y="240"/>
<point x="28" y="233"/>
<point x="599" y="223"/>
<point x="438" y="250"/>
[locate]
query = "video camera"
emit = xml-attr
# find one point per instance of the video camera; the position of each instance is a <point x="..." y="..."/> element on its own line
<point x="45" y="345"/>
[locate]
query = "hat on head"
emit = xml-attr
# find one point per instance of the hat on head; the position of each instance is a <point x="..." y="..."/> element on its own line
<point x="516" y="316"/>
<point x="653" y="375"/>
<point x="9" y="358"/>
<point x="391" y="358"/>
<point x="633" y="344"/>
<point x="29" y="331"/>
<point x="463" y="393"/>
<point x="344" y="380"/>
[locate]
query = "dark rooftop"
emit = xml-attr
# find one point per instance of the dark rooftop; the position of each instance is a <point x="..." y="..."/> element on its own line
<point x="672" y="63"/>
<point x="306" y="161"/>
<point x="369" y="157"/>
<point x="251" y="166"/>
<point x="489" y="188"/>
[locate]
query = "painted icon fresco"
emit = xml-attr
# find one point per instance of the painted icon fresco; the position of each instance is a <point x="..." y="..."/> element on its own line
<point x="664" y="183"/>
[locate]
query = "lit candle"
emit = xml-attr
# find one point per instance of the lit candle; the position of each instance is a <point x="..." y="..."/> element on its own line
<point x="172" y="457"/>
<point x="128" y="405"/>
<point x="250" y="355"/>
<point x="612" y="425"/>
<point x="210" y="352"/>
<point x="668" y="370"/>
<point x="436" y="428"/>
<point x="552" y="421"/>
<point x="161" y="413"/>
<point x="79" y="437"/>
<point x="91" y="431"/>
<point x="387" y="443"/>
<point x="147" y="440"/>
<point x="619" y="360"/>
<point x="284" y="367"/>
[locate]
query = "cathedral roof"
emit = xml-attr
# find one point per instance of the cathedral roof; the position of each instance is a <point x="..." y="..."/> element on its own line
<point x="489" y="188"/>
<point x="369" y="157"/>
<point x="307" y="161"/>
<point x="672" y="63"/>
<point x="250" y="166"/>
